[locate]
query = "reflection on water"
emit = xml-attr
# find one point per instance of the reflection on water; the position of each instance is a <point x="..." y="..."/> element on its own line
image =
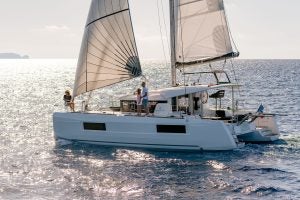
<point x="33" y="166"/>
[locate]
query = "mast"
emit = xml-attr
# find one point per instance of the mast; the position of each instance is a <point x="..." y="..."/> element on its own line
<point x="172" y="41"/>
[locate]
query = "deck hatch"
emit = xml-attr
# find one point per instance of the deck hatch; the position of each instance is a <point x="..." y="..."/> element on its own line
<point x="94" y="126"/>
<point x="171" y="129"/>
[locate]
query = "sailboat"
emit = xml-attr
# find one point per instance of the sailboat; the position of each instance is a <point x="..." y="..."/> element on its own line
<point x="181" y="118"/>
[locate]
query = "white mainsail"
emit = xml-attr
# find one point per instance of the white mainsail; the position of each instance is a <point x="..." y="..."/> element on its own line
<point x="201" y="32"/>
<point x="108" y="52"/>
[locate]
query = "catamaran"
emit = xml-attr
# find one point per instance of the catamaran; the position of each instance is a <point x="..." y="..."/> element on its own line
<point x="181" y="117"/>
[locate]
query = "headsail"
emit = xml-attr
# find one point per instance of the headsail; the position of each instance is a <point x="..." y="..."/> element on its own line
<point x="201" y="32"/>
<point x="108" y="52"/>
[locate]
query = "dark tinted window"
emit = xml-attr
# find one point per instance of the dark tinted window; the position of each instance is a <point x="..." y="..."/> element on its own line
<point x="94" y="126"/>
<point x="171" y="129"/>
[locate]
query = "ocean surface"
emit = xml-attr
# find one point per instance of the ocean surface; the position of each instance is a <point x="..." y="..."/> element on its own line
<point x="34" y="166"/>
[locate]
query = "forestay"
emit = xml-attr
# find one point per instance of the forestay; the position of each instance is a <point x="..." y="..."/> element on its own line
<point x="108" y="52"/>
<point x="201" y="31"/>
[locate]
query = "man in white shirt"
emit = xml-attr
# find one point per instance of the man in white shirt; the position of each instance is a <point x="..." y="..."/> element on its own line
<point x="145" y="97"/>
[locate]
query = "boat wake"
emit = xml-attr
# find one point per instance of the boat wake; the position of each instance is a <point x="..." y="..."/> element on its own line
<point x="259" y="191"/>
<point x="63" y="142"/>
<point x="262" y="170"/>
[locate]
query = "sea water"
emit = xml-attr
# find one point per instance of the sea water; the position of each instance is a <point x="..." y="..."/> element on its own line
<point x="34" y="166"/>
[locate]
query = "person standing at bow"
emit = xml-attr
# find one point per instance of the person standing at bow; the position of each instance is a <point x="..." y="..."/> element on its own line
<point x="145" y="94"/>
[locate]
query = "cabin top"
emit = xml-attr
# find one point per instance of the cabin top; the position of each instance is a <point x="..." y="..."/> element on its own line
<point x="167" y="93"/>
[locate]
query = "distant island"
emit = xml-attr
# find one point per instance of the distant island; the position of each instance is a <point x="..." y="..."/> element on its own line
<point x="12" y="56"/>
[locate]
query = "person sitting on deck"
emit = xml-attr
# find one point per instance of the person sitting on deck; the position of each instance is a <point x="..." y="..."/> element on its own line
<point x="68" y="100"/>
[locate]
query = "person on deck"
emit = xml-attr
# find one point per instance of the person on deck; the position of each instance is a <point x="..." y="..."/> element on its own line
<point x="145" y="94"/>
<point x="139" y="101"/>
<point x="68" y="100"/>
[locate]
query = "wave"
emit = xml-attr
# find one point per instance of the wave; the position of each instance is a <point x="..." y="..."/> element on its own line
<point x="263" y="169"/>
<point x="259" y="191"/>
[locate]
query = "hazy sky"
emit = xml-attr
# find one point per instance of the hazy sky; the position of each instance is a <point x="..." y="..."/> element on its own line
<point x="54" y="28"/>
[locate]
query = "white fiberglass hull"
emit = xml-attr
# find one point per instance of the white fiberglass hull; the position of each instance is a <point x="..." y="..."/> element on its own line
<point x="144" y="132"/>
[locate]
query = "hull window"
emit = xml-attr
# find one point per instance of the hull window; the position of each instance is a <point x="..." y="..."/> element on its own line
<point x="170" y="129"/>
<point x="94" y="126"/>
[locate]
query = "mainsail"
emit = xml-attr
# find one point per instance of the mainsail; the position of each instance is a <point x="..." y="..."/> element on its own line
<point x="201" y="32"/>
<point x="108" y="52"/>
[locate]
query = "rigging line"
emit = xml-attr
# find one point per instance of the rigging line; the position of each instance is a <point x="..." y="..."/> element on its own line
<point x="89" y="98"/>
<point x="164" y="19"/>
<point x="123" y="19"/>
<point x="230" y="31"/>
<point x="223" y="67"/>
<point x="182" y="52"/>
<point x="161" y="36"/>
<point x="149" y="82"/>
<point x="235" y="77"/>
<point x="107" y="48"/>
<point x="87" y="50"/>
<point x="122" y="53"/>
<point x="225" y="61"/>
<point x="114" y="32"/>
<point x="210" y="66"/>
<point x="222" y="22"/>
<point x="137" y="53"/>
<point x="117" y="22"/>
<point x="135" y="61"/>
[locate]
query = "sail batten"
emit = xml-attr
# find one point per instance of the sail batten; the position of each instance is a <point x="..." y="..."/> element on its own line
<point x="108" y="52"/>
<point x="201" y="32"/>
<point x="105" y="17"/>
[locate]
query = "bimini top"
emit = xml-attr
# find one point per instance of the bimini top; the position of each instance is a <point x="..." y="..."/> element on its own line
<point x="167" y="93"/>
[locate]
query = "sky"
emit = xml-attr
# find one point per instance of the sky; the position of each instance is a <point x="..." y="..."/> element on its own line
<point x="262" y="29"/>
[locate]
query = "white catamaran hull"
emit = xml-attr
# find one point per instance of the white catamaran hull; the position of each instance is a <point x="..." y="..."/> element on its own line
<point x="188" y="133"/>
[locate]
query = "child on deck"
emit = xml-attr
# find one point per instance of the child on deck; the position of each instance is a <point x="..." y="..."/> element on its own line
<point x="138" y="101"/>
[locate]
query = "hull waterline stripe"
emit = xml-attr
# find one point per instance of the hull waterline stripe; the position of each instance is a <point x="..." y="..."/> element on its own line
<point x="191" y="146"/>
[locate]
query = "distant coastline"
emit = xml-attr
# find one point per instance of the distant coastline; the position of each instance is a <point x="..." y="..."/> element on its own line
<point x="13" y="56"/>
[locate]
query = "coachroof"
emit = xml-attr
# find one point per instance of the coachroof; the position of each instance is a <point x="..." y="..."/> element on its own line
<point x="167" y="93"/>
